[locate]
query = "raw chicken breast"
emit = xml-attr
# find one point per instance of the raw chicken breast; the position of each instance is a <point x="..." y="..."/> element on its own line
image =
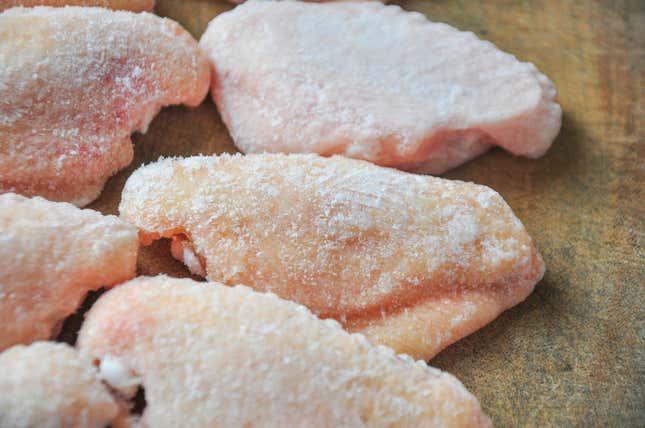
<point x="49" y="385"/>
<point x="208" y="355"/>
<point x="75" y="83"/>
<point x="373" y="82"/>
<point x="51" y="255"/>
<point x="133" y="5"/>
<point x="413" y="262"/>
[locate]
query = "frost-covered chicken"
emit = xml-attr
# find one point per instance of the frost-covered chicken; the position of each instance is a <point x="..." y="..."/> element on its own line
<point x="51" y="255"/>
<point x="49" y="385"/>
<point x="373" y="82"/>
<point x="208" y="355"/>
<point x="413" y="262"/>
<point x="75" y="82"/>
<point x="133" y="5"/>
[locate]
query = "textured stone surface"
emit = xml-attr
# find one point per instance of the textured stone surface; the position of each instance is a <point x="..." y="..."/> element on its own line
<point x="573" y="354"/>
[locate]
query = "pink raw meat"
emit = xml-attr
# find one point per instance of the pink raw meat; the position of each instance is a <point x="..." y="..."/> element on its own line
<point x="374" y="82"/>
<point x="214" y="356"/>
<point x="133" y="5"/>
<point x="75" y="82"/>
<point x="49" y="385"/>
<point x="413" y="262"/>
<point x="242" y="1"/>
<point x="51" y="255"/>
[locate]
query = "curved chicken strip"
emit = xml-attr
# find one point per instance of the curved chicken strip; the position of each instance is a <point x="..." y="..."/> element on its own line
<point x="75" y="83"/>
<point x="373" y="82"/>
<point x="49" y="385"/>
<point x="209" y="355"/>
<point x="51" y="255"/>
<point x="414" y="262"/>
<point x="132" y="5"/>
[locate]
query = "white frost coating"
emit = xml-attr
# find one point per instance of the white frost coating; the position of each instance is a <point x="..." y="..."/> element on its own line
<point x="75" y="82"/>
<point x="51" y="255"/>
<point x="112" y="371"/>
<point x="192" y="262"/>
<point x="352" y="241"/>
<point x="49" y="385"/>
<point x="182" y="249"/>
<point x="132" y="5"/>
<point x="210" y="355"/>
<point x="373" y="82"/>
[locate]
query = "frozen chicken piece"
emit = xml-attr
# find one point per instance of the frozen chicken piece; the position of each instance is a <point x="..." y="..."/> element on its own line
<point x="51" y="255"/>
<point x="49" y="385"/>
<point x="414" y="262"/>
<point x="242" y="1"/>
<point x="75" y="83"/>
<point x="133" y="5"/>
<point x="209" y="355"/>
<point x="373" y="82"/>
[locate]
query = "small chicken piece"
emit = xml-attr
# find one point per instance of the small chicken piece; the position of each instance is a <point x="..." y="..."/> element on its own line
<point x="51" y="255"/>
<point x="242" y="1"/>
<point x="75" y="82"/>
<point x="209" y="355"/>
<point x="413" y="262"/>
<point x="132" y="5"/>
<point x="49" y="385"/>
<point x="373" y="82"/>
